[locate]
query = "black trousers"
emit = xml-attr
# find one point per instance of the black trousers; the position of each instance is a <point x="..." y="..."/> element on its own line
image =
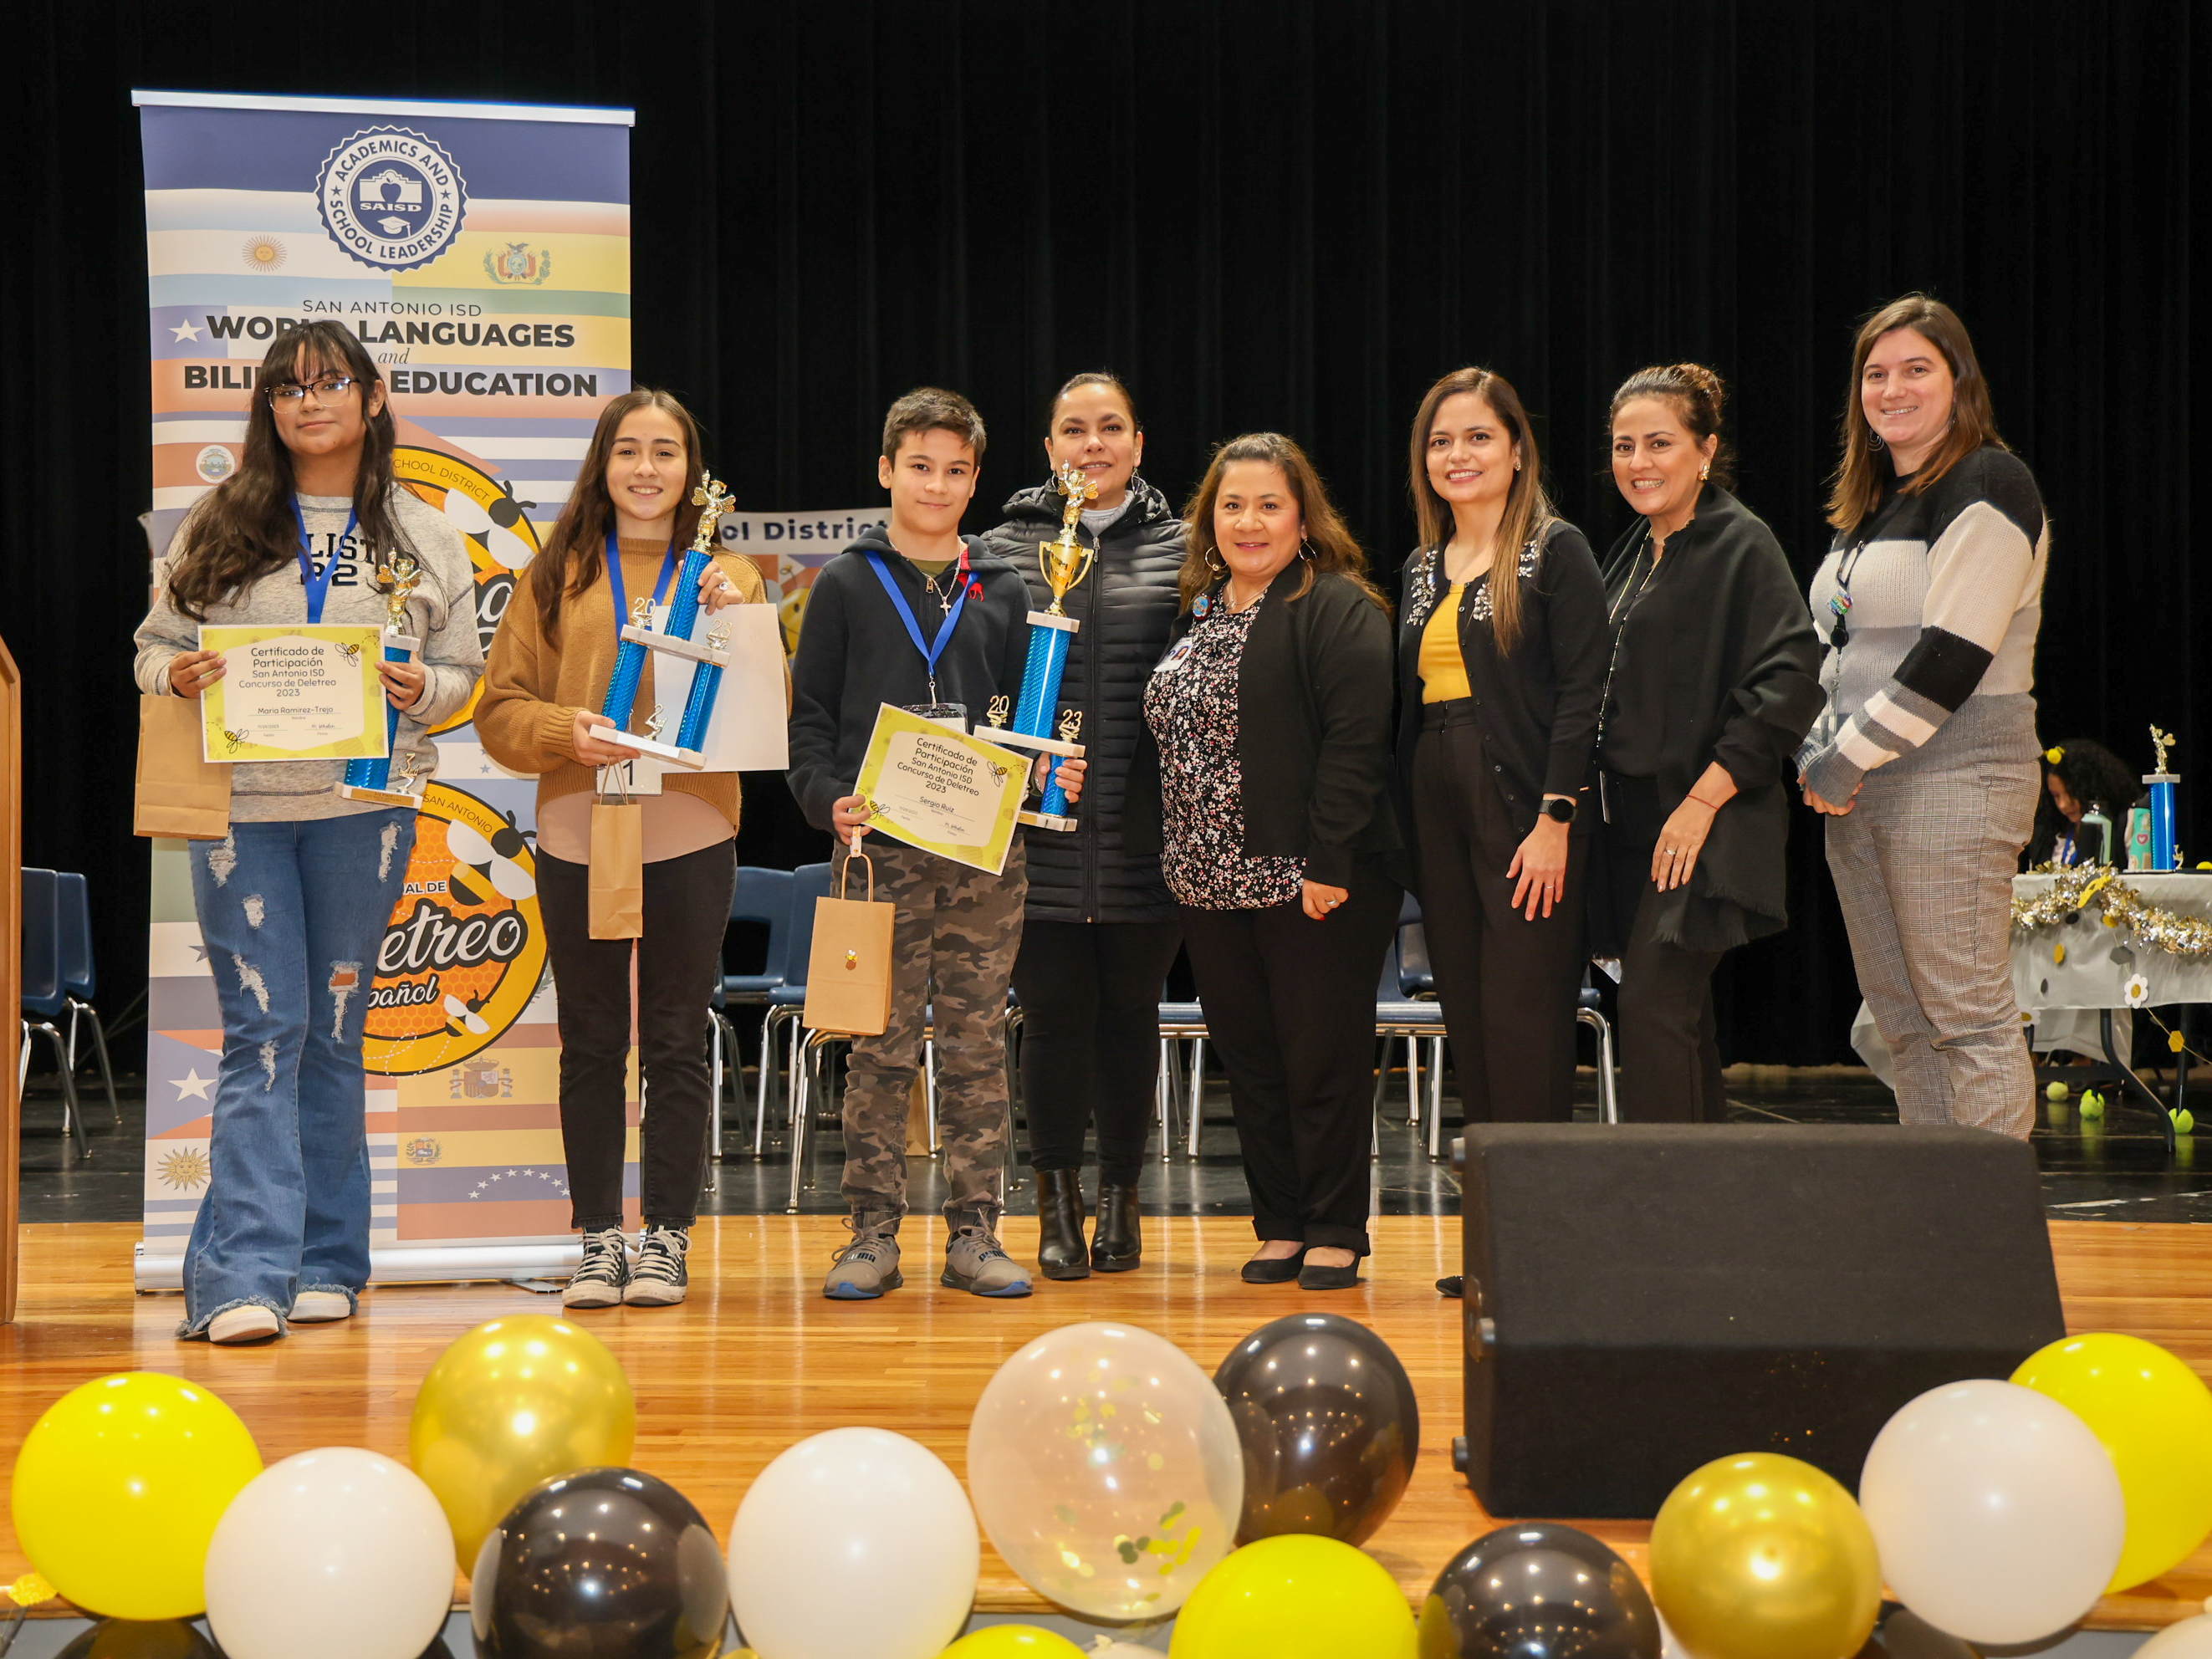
<point x="687" y="908"/>
<point x="1670" y="1057"/>
<point x="1290" y="1006"/>
<point x="1090" y="994"/>
<point x="1508" y="985"/>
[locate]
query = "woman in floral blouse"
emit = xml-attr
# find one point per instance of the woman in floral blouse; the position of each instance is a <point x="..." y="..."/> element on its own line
<point x="1270" y="715"/>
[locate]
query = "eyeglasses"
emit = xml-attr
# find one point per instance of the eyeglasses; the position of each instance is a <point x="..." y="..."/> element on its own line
<point x="328" y="389"/>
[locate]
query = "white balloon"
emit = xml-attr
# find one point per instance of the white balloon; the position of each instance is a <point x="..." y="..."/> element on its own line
<point x="1998" y="1512"/>
<point x="337" y="1553"/>
<point x="854" y="1541"/>
<point x="2189" y="1639"/>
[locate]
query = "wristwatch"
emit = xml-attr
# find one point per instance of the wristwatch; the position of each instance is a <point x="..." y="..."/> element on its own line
<point x="1562" y="811"/>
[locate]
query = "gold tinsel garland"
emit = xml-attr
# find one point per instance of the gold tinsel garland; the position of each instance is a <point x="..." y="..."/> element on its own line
<point x="2075" y="887"/>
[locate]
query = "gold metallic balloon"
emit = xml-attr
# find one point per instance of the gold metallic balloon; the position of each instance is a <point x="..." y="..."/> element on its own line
<point x="1763" y="1556"/>
<point x="512" y="1403"/>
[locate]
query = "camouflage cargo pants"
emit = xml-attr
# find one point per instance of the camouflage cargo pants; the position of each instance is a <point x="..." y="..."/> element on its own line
<point x="952" y="953"/>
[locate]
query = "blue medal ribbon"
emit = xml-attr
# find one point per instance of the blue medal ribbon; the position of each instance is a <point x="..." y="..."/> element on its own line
<point x="615" y="578"/>
<point x="930" y="653"/>
<point x="317" y="587"/>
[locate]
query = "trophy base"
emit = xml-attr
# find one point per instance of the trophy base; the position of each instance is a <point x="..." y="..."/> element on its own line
<point x="380" y="797"/>
<point x="653" y="639"/>
<point x="1023" y="740"/>
<point x="690" y="759"/>
<point x="1044" y="820"/>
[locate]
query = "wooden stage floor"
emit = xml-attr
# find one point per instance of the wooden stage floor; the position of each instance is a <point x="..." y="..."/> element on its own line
<point x="757" y="1358"/>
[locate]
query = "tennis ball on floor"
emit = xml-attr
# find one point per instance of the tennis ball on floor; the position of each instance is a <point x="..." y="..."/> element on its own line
<point x="2093" y="1105"/>
<point x="2056" y="1091"/>
<point x="2185" y="1121"/>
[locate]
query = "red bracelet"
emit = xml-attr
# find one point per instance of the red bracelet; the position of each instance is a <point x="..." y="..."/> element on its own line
<point x="1711" y="807"/>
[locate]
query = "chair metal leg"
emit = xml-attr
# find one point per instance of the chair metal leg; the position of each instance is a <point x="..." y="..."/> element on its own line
<point x="1413" y="1082"/>
<point x="770" y="1063"/>
<point x="715" y="1084"/>
<point x="100" y="1051"/>
<point x="1163" y="1093"/>
<point x="1197" y="1096"/>
<point x="1608" y="1084"/>
<point x="929" y="1093"/>
<point x="72" y="1115"/>
<point x="1436" y="1099"/>
<point x="804" y="1051"/>
<point x="1375" y="1138"/>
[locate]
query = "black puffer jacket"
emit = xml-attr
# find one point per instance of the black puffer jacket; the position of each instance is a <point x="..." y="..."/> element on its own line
<point x="1127" y="605"/>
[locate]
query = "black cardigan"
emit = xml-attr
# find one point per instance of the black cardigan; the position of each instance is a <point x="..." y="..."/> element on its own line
<point x="1127" y="605"/>
<point x="1539" y="703"/>
<point x="1313" y="734"/>
<point x="1741" y="684"/>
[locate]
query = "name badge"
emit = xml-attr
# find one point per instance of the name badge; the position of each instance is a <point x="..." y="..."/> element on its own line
<point x="953" y="716"/>
<point x="1174" y="657"/>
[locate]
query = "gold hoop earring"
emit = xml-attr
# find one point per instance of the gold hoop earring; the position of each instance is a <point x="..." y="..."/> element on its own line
<point x="1305" y="550"/>
<point x="1215" y="564"/>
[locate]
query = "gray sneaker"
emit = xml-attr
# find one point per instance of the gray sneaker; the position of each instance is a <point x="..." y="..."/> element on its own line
<point x="865" y="1268"/>
<point x="599" y="1280"/>
<point x="976" y="1262"/>
<point x="659" y="1278"/>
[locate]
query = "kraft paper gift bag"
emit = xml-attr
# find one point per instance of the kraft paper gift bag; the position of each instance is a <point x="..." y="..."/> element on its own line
<point x="178" y="793"/>
<point x="849" y="976"/>
<point x="617" y="870"/>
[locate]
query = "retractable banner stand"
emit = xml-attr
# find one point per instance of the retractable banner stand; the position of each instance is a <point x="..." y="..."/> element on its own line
<point x="481" y="252"/>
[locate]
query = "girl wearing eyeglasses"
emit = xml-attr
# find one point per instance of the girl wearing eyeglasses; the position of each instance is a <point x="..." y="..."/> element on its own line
<point x="292" y="903"/>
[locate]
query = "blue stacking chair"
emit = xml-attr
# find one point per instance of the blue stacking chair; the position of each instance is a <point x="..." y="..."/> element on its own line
<point x="764" y="896"/>
<point x="786" y="1001"/>
<point x="74" y="898"/>
<point x="45" y="998"/>
<point x="1417" y="1019"/>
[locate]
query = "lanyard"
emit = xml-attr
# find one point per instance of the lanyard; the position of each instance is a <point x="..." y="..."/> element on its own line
<point x="930" y="654"/>
<point x="318" y="589"/>
<point x="615" y="578"/>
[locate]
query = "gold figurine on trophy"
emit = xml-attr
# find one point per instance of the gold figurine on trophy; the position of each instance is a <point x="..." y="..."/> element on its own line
<point x="1067" y="562"/>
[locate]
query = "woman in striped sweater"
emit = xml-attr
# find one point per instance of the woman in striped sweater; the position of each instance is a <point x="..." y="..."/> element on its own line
<point x="1928" y="603"/>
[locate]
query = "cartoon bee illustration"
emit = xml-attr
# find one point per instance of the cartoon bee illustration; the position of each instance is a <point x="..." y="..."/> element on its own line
<point x="493" y="859"/>
<point x="463" y="1019"/>
<point x="352" y="653"/>
<point x="233" y="740"/>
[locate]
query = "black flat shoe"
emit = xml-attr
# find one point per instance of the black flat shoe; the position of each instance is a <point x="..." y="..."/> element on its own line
<point x="1276" y="1270"/>
<point x="1060" y="1250"/>
<point x="1119" y="1243"/>
<point x="1452" y="1285"/>
<point x="1313" y="1277"/>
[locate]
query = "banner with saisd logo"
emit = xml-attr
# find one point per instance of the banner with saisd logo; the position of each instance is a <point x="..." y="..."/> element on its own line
<point x="481" y="253"/>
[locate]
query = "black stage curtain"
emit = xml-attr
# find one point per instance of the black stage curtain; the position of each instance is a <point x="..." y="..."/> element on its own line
<point x="1263" y="213"/>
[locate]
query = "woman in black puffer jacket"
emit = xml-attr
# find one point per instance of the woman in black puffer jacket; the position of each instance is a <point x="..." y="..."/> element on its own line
<point x="1101" y="931"/>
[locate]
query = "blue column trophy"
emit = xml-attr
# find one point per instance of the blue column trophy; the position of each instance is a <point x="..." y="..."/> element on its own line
<point x="1065" y="564"/>
<point x="371" y="779"/>
<point x="2164" y="853"/>
<point x="639" y="636"/>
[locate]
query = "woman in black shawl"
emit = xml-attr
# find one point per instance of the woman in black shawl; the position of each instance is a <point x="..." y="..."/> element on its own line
<point x="1714" y="681"/>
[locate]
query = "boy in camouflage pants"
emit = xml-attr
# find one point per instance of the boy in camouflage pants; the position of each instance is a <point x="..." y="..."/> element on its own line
<point x="915" y="617"/>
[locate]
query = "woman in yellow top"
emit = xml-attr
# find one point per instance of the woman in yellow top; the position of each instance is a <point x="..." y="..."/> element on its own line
<point x="624" y="531"/>
<point x="1501" y="669"/>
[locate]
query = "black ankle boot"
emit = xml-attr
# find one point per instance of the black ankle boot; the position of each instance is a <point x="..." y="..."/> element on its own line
<point x="1060" y="1225"/>
<point x="1119" y="1243"/>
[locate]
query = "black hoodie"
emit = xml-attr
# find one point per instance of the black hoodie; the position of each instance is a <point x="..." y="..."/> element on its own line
<point x="1127" y="605"/>
<point x="855" y="655"/>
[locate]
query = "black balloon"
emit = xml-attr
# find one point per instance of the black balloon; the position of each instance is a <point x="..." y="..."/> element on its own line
<point x="605" y="1564"/>
<point x="1538" y="1592"/>
<point x="1329" y="1426"/>
<point x="132" y="1638"/>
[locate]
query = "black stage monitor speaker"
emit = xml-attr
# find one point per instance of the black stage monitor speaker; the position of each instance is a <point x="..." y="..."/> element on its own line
<point x="1643" y="1298"/>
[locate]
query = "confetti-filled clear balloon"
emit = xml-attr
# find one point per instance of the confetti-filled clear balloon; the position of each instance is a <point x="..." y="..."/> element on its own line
<point x="1106" y="1470"/>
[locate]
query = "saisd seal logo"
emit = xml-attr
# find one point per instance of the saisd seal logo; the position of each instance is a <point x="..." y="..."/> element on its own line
<point x="501" y="538"/>
<point x="391" y="197"/>
<point x="464" y="949"/>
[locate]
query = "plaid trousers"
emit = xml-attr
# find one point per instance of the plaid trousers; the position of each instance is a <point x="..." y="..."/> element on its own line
<point x="1923" y="864"/>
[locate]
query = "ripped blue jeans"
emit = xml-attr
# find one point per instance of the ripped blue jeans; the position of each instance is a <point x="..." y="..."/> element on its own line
<point x="292" y="915"/>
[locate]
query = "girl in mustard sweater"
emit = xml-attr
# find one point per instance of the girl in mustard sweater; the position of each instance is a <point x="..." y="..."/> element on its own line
<point x="623" y="532"/>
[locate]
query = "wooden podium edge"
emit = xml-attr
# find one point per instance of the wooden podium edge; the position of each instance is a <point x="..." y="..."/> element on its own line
<point x="11" y="972"/>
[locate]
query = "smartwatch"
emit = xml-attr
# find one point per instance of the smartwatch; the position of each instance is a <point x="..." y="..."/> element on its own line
<point x="1561" y="810"/>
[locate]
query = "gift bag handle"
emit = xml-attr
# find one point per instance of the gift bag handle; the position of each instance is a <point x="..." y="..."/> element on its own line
<point x="845" y="871"/>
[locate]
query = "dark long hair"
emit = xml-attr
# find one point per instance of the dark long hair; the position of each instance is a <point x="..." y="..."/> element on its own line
<point x="2094" y="776"/>
<point x="1857" y="488"/>
<point x="1527" y="509"/>
<point x="576" y="552"/>
<point x="1335" y="550"/>
<point x="244" y="528"/>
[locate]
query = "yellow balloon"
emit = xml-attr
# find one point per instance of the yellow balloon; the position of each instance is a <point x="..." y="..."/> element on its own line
<point x="1013" y="1642"/>
<point x="1763" y="1556"/>
<point x="1295" y="1596"/>
<point x="118" y="1487"/>
<point x="2155" y="1415"/>
<point x="512" y="1403"/>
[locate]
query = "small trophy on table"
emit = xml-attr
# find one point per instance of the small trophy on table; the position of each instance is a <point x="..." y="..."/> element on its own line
<point x="371" y="779"/>
<point x="639" y="636"/>
<point x="2164" y="853"/>
<point x="1065" y="564"/>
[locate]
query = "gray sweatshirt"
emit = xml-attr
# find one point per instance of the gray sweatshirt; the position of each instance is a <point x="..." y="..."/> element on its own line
<point x="442" y="614"/>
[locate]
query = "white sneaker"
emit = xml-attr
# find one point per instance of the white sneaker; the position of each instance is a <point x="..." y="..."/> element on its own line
<point x="250" y="1323"/>
<point x="321" y="1307"/>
